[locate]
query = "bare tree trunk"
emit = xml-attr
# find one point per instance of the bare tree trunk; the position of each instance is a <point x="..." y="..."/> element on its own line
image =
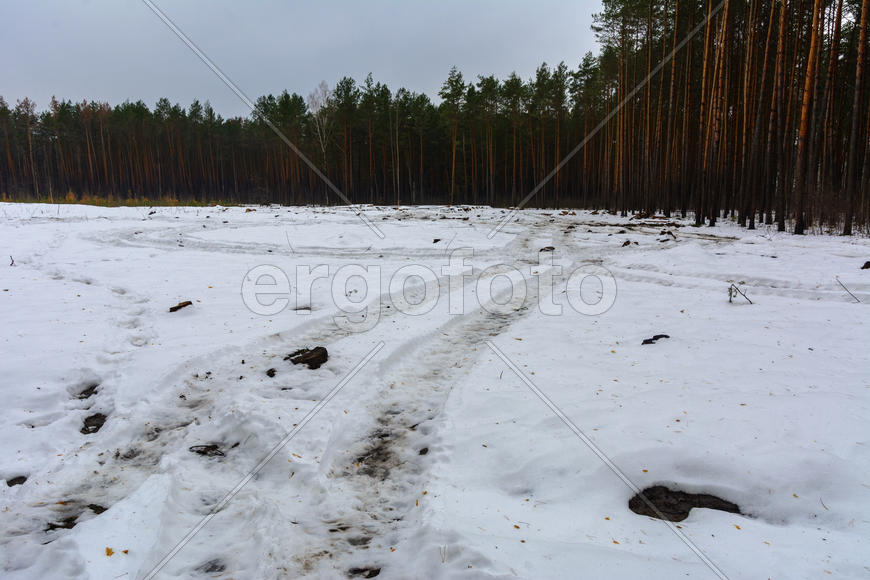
<point x="800" y="169"/>
<point x="852" y="177"/>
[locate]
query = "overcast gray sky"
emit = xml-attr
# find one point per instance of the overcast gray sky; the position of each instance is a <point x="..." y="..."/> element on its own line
<point x="113" y="50"/>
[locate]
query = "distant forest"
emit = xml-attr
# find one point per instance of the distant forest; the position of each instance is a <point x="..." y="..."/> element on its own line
<point x="763" y="115"/>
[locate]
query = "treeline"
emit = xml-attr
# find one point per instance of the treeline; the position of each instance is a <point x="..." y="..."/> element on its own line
<point x="762" y="115"/>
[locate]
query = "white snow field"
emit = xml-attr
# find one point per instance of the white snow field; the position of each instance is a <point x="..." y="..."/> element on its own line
<point x="428" y="456"/>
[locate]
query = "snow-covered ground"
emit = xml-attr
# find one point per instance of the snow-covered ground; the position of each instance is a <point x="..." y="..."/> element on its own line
<point x="428" y="455"/>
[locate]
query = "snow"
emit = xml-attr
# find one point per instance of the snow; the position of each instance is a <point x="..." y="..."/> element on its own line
<point x="762" y="404"/>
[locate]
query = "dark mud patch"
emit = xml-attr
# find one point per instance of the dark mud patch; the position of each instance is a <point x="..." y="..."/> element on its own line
<point x="93" y="423"/>
<point x="675" y="506"/>
<point x="65" y="516"/>
<point x="88" y="391"/>
<point x="210" y="450"/>
<point x="654" y="339"/>
<point x="66" y="523"/>
<point x="271" y="373"/>
<point x="379" y="459"/>
<point x="129" y="454"/>
<point x="214" y="566"/>
<point x="423" y="451"/>
<point x="363" y="572"/>
<point x="18" y="480"/>
<point x="313" y="358"/>
<point x="68" y="512"/>
<point x="359" y="541"/>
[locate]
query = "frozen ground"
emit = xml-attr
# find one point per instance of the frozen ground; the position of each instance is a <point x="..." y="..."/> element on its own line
<point x="435" y="460"/>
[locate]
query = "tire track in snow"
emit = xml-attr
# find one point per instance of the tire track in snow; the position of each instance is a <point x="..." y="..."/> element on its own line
<point x="386" y="469"/>
<point x="137" y="442"/>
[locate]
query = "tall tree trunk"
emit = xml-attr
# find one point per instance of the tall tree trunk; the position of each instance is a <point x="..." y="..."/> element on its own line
<point x="852" y="177"/>
<point x="800" y="168"/>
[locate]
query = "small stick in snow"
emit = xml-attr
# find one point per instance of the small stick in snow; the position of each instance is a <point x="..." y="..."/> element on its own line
<point x="180" y="305"/>
<point x="12" y="262"/>
<point x="847" y="290"/>
<point x="734" y="289"/>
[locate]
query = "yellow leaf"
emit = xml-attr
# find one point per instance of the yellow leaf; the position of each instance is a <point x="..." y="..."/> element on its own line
<point x="736" y="526"/>
<point x="109" y="551"/>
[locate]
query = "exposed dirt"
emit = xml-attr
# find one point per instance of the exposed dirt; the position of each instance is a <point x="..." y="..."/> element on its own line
<point x="96" y="508"/>
<point x="67" y="523"/>
<point x="313" y="358"/>
<point x="380" y="458"/>
<point x="210" y="450"/>
<point x="363" y="572"/>
<point x="93" y="423"/>
<point x="16" y="480"/>
<point x="676" y="505"/>
<point x="88" y="391"/>
<point x="214" y="566"/>
<point x="654" y="339"/>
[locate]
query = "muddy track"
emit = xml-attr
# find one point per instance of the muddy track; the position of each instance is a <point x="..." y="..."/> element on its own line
<point x="386" y="470"/>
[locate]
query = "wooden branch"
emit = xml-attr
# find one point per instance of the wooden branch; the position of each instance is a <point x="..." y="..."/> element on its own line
<point x="741" y="293"/>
